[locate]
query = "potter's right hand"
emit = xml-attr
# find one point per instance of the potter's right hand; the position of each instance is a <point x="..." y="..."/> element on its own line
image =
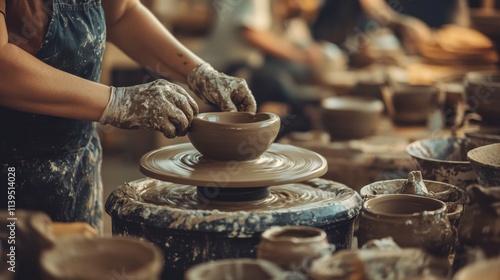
<point x="161" y="106"/>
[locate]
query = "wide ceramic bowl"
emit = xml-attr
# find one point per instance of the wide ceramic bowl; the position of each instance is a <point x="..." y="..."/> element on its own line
<point x="413" y="104"/>
<point x="235" y="269"/>
<point x="233" y="135"/>
<point x="482" y="90"/>
<point x="101" y="258"/>
<point x="443" y="160"/>
<point x="486" y="163"/>
<point x="483" y="136"/>
<point x="349" y="117"/>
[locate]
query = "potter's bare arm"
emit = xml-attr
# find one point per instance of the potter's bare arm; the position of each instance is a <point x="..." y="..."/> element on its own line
<point x="136" y="31"/>
<point x="29" y="85"/>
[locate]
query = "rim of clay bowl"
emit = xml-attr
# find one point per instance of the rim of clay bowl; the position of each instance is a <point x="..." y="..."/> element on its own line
<point x="403" y="88"/>
<point x="294" y="234"/>
<point x="410" y="147"/>
<point x="478" y="77"/>
<point x="199" y="271"/>
<point x="484" y="134"/>
<point x="442" y="206"/>
<point x="212" y="120"/>
<point x="471" y="155"/>
<point x="359" y="103"/>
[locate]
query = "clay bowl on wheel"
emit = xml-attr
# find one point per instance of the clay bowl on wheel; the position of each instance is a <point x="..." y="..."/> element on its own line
<point x="444" y="160"/>
<point x="101" y="258"/>
<point x="483" y="136"/>
<point x="233" y="135"/>
<point x="482" y="90"/>
<point x="486" y="163"/>
<point x="349" y="117"/>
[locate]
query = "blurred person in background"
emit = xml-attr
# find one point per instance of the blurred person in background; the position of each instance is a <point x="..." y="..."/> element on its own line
<point x="51" y="100"/>
<point x="251" y="38"/>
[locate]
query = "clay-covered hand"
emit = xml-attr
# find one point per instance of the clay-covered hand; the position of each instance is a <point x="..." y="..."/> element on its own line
<point x="226" y="92"/>
<point x="160" y="105"/>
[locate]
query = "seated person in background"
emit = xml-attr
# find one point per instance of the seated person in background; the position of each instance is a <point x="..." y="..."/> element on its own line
<point x="251" y="37"/>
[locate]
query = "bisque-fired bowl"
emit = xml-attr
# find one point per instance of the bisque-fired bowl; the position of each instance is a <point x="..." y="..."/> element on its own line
<point x="482" y="90"/>
<point x="233" y="135"/>
<point x="486" y="163"/>
<point x="444" y="160"/>
<point x="351" y="117"/>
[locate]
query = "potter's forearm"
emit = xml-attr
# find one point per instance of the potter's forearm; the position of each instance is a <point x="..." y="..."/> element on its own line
<point x="29" y="85"/>
<point x="141" y="36"/>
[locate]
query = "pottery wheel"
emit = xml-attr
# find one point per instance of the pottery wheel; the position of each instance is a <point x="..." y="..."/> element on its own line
<point x="280" y="164"/>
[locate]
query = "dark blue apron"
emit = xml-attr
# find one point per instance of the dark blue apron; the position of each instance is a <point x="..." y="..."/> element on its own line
<point x="58" y="160"/>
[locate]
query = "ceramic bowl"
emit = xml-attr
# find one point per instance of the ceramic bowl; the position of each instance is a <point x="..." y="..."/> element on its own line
<point x="349" y="117"/>
<point x="233" y="135"/>
<point x="413" y="104"/>
<point x="483" y="136"/>
<point x="486" y="163"/>
<point x="235" y="269"/>
<point x="482" y="90"/>
<point x="101" y="258"/>
<point x="443" y="160"/>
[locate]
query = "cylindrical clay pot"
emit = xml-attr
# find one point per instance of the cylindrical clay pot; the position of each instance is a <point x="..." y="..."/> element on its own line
<point x="411" y="220"/>
<point x="292" y="247"/>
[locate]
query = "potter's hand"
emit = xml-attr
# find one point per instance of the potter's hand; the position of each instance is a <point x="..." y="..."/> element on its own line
<point x="226" y="92"/>
<point x="161" y="106"/>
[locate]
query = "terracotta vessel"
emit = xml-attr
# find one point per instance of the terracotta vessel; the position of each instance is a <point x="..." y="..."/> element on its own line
<point x="237" y="269"/>
<point x="482" y="91"/>
<point x="483" y="270"/>
<point x="233" y="135"/>
<point x="486" y="163"/>
<point x="483" y="136"/>
<point x="411" y="220"/>
<point x="443" y="160"/>
<point x="348" y="117"/>
<point x="101" y="258"/>
<point x="292" y="247"/>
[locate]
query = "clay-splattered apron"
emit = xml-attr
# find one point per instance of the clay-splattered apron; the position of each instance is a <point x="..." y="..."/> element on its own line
<point x="57" y="160"/>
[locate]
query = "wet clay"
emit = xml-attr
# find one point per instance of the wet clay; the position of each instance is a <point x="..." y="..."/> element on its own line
<point x="280" y="164"/>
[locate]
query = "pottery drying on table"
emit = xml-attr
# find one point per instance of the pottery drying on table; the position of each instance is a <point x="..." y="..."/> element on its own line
<point x="293" y="247"/>
<point x="383" y="259"/>
<point x="280" y="164"/>
<point x="176" y="217"/>
<point x="443" y="160"/>
<point x="486" y="163"/>
<point x="482" y="91"/>
<point x="101" y="258"/>
<point x="349" y="117"/>
<point x="483" y="136"/>
<point x="413" y="104"/>
<point x="233" y="135"/>
<point x="483" y="270"/>
<point x="411" y="220"/>
<point x="453" y="88"/>
<point x="238" y="269"/>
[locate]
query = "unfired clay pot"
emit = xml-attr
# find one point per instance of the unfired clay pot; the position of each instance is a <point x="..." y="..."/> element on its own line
<point x="444" y="160"/>
<point x="233" y="135"/>
<point x="413" y="104"/>
<point x="486" y="163"/>
<point x="235" y="269"/>
<point x="482" y="90"/>
<point x="101" y="258"/>
<point x="411" y="220"/>
<point x="292" y="247"/>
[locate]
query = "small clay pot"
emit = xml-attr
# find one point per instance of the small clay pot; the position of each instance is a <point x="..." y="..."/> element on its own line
<point x="413" y="104"/>
<point x="349" y="117"/>
<point x="483" y="136"/>
<point x="101" y="258"/>
<point x="484" y="270"/>
<point x="292" y="247"/>
<point x="233" y="135"/>
<point x="486" y="163"/>
<point x="411" y="220"/>
<point x="482" y="90"/>
<point x="444" y="160"/>
<point x="235" y="269"/>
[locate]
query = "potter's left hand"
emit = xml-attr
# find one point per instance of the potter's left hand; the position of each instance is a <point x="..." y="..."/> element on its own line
<point x="226" y="92"/>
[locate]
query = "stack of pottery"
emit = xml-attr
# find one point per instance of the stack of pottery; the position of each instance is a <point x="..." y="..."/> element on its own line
<point x="212" y="199"/>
